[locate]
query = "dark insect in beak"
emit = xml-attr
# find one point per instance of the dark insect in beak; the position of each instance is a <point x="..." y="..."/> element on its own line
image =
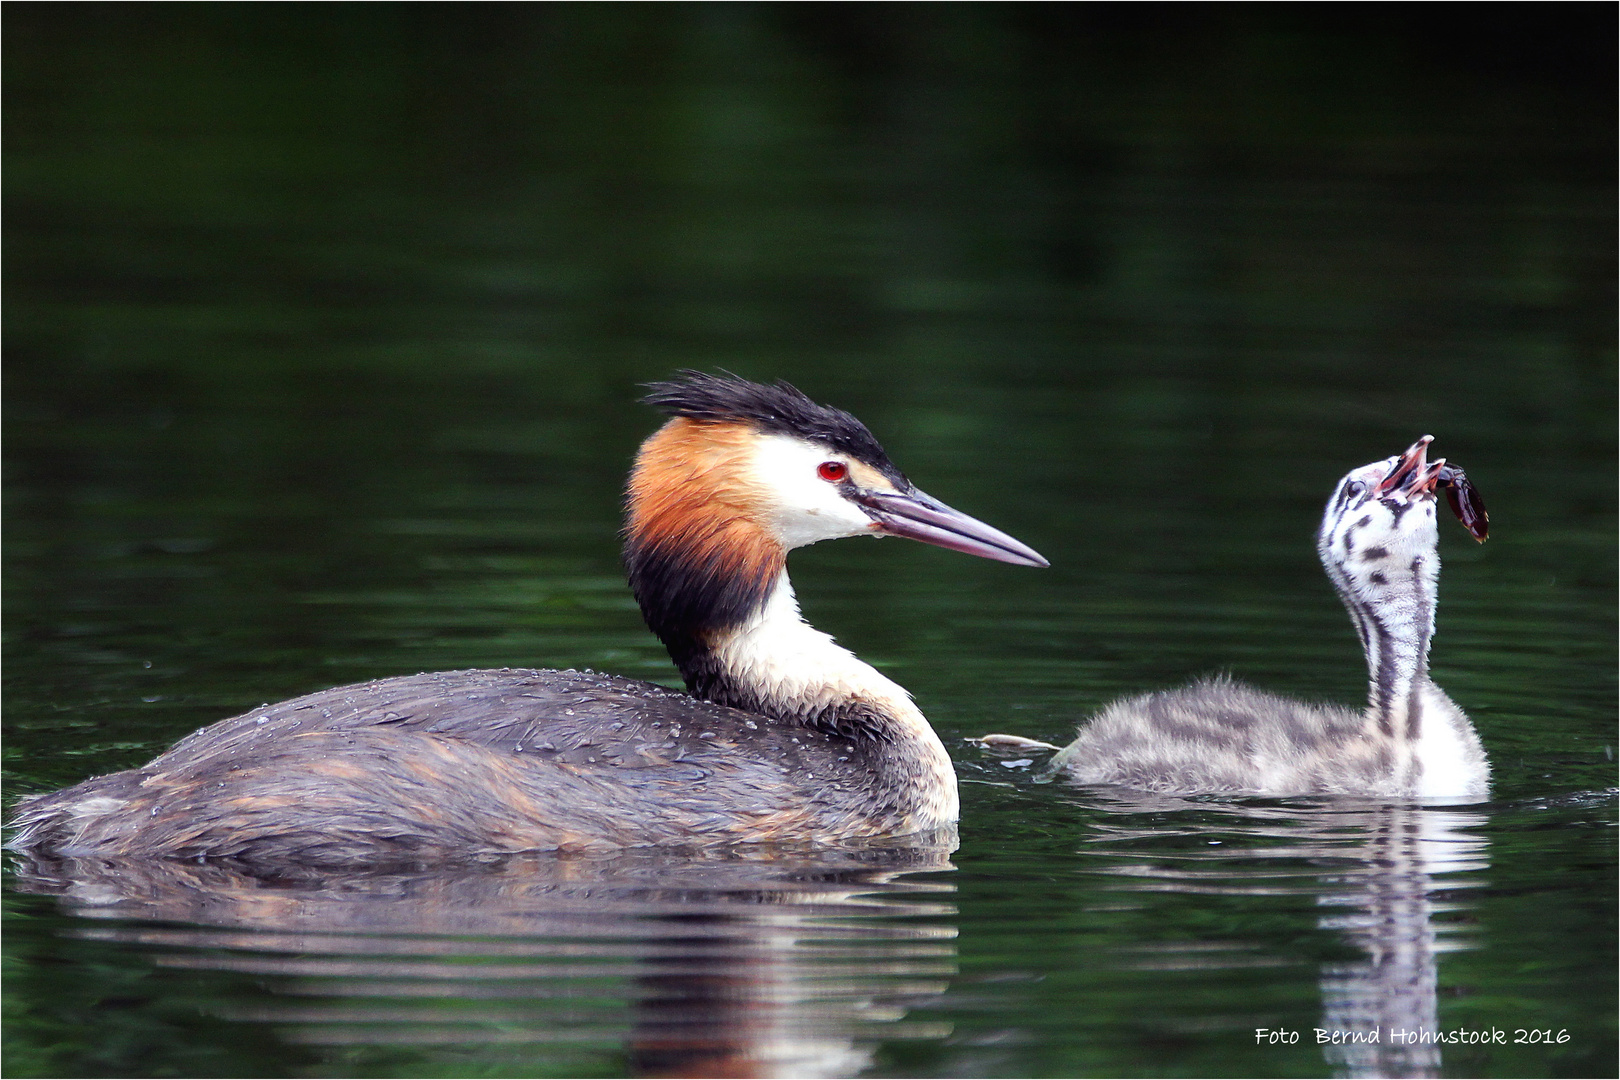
<point x="1465" y="501"/>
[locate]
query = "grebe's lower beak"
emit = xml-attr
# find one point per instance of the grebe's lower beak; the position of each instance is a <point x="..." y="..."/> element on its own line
<point x="922" y="517"/>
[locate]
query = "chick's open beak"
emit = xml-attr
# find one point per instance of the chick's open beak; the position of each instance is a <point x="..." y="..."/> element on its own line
<point x="1414" y="474"/>
<point x="1413" y="461"/>
<point x="922" y="517"/>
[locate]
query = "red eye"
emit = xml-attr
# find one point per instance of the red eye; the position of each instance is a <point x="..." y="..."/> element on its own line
<point x="832" y="471"/>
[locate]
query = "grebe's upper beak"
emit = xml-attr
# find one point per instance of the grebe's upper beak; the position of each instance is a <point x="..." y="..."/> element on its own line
<point x="922" y="517"/>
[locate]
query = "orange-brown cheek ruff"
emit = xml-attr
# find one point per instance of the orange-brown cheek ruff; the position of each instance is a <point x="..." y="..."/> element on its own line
<point x="698" y="556"/>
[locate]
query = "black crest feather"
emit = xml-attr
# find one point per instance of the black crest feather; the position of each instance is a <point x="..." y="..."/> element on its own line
<point x="778" y="407"/>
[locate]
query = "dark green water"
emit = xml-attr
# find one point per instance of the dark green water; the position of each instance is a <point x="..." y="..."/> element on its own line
<point x="324" y="329"/>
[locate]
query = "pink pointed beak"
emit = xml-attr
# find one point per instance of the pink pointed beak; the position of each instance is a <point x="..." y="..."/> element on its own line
<point x="917" y="516"/>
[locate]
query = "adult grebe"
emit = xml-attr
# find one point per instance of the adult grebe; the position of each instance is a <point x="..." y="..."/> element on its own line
<point x="1378" y="544"/>
<point x="788" y="737"/>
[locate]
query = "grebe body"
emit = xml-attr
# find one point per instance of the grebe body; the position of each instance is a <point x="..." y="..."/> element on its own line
<point x="1378" y="543"/>
<point x="785" y="736"/>
<point x="448" y="764"/>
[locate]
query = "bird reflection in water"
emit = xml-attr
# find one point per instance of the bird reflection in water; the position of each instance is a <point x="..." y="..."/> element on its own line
<point x="1384" y="873"/>
<point x="752" y="963"/>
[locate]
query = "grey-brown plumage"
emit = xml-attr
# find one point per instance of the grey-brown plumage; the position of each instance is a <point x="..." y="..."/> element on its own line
<point x="1222" y="736"/>
<point x="466" y="763"/>
<point x="460" y="763"/>
<point x="1378" y="545"/>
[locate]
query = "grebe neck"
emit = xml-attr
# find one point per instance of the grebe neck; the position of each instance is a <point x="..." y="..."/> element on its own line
<point x="1391" y="601"/>
<point x="777" y="664"/>
<point x="773" y="663"/>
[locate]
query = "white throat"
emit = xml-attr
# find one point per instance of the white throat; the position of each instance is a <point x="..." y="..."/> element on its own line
<point x="785" y="660"/>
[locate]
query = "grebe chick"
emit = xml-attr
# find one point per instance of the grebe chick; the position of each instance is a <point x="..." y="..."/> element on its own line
<point x="1378" y="544"/>
<point x="785" y="736"/>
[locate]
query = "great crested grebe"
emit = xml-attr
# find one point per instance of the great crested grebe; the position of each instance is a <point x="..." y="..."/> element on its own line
<point x="785" y="737"/>
<point x="1378" y="543"/>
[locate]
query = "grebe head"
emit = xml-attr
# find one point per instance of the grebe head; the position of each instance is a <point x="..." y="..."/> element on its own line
<point x="1380" y="520"/>
<point x="741" y="474"/>
<point x="801" y="472"/>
